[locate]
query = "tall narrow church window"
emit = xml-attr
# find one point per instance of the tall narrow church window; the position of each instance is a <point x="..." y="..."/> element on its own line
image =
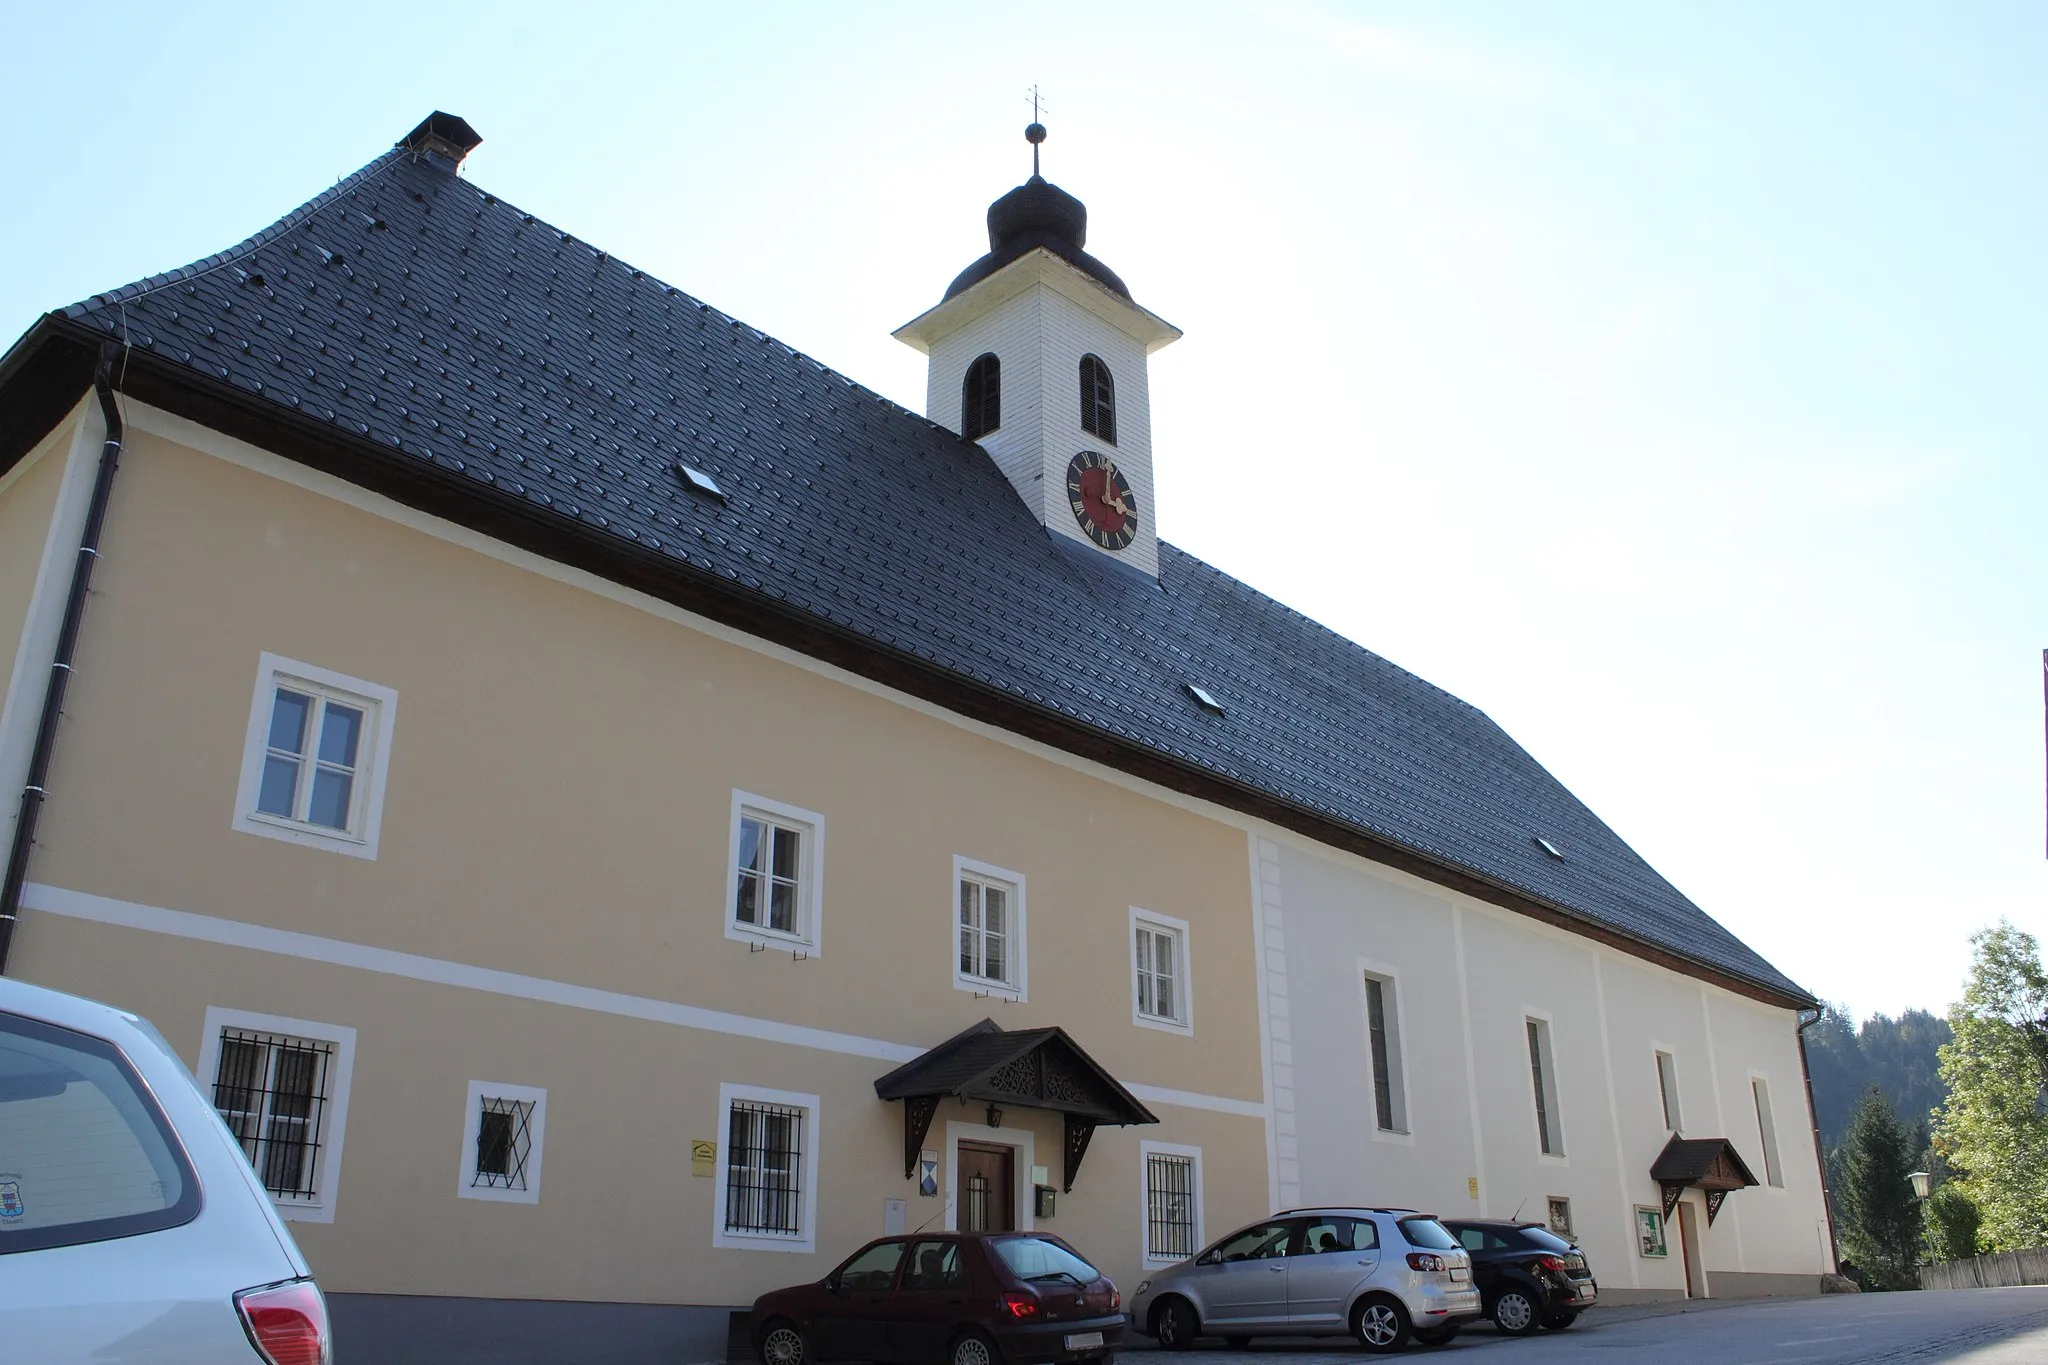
<point x="981" y="398"/>
<point x="1098" y="399"/>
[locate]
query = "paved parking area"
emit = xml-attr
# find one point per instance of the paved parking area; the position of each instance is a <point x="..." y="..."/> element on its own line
<point x="1967" y="1326"/>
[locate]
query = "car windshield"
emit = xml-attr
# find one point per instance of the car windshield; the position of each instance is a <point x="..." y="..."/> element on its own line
<point x="1034" y="1258"/>
<point x="1427" y="1232"/>
<point x="1544" y="1239"/>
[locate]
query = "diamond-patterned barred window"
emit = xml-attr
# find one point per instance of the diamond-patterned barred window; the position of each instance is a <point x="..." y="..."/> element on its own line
<point x="504" y="1143"/>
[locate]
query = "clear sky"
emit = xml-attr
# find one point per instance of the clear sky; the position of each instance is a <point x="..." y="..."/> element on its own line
<point x="1666" y="380"/>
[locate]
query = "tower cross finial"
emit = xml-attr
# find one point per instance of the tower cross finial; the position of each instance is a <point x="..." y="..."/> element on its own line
<point x="1035" y="134"/>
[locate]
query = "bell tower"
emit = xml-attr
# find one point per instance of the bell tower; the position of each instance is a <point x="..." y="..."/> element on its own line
<point x="1038" y="352"/>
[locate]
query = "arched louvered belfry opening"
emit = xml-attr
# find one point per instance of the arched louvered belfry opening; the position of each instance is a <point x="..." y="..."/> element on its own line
<point x="1098" y="399"/>
<point x="981" y="398"/>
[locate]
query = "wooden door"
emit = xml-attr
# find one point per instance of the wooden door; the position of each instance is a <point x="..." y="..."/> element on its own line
<point x="988" y="1188"/>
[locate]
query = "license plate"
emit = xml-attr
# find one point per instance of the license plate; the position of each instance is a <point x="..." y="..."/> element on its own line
<point x="1459" y="1274"/>
<point x="1589" y="1291"/>
<point x="1083" y="1341"/>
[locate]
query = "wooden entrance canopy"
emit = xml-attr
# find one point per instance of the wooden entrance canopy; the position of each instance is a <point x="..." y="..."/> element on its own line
<point x="1710" y="1163"/>
<point x="1039" y="1068"/>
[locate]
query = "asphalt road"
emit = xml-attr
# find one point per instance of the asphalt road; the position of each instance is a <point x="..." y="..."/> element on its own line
<point x="1966" y="1326"/>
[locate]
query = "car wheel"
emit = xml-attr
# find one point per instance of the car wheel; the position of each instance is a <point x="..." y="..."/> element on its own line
<point x="1514" y="1312"/>
<point x="1557" y="1322"/>
<point x="1380" y="1324"/>
<point x="972" y="1347"/>
<point x="1435" y="1336"/>
<point x="1174" y="1325"/>
<point x="783" y="1344"/>
<point x="1237" y="1343"/>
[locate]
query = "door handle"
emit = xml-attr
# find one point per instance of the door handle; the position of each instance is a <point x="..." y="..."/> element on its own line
<point x="1277" y="1269"/>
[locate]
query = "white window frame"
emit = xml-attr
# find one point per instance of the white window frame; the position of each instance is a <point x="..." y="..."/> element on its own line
<point x="810" y="899"/>
<point x="1158" y="923"/>
<point x="536" y="1134"/>
<point x="334" y="1112"/>
<point x="1146" y="1150"/>
<point x="1012" y="883"/>
<point x="373" y="756"/>
<point x="1389" y="977"/>
<point x="805" y="1238"/>
<point x="1766" y="1128"/>
<point x="1672" y="1100"/>
<point x="1547" y="1049"/>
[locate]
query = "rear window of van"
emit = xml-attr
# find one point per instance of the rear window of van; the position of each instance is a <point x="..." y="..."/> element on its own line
<point x="85" y="1154"/>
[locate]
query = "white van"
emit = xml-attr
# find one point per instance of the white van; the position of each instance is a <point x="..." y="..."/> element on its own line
<point x="131" y="1225"/>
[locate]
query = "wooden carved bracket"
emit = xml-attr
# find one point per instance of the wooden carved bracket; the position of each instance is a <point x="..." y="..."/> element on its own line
<point x="1079" y="1131"/>
<point x="917" y="1121"/>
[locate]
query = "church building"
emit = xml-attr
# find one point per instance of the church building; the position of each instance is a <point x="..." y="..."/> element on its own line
<point x="513" y="729"/>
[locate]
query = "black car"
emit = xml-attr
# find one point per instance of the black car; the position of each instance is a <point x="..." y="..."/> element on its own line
<point x="947" y="1298"/>
<point x="1528" y="1276"/>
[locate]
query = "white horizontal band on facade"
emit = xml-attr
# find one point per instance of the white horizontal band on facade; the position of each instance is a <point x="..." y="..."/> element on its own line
<point x="156" y="919"/>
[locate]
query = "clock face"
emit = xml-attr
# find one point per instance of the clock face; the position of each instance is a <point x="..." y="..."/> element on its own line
<point x="1102" y="500"/>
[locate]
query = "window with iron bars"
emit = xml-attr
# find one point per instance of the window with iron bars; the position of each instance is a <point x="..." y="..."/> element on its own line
<point x="1169" y="1206"/>
<point x="763" y="1168"/>
<point x="273" y="1092"/>
<point x="504" y="1143"/>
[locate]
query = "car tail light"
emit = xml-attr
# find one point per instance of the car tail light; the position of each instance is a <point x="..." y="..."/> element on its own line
<point x="287" y="1323"/>
<point x="1020" y="1306"/>
<point x="1423" y="1260"/>
<point x="1550" y="1263"/>
<point x="1116" y="1300"/>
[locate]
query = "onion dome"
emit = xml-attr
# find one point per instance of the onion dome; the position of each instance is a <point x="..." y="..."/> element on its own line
<point x="1037" y="214"/>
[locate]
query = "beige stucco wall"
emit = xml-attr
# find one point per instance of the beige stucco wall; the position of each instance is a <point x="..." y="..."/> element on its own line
<point x="558" y="805"/>
<point x="28" y="497"/>
<point x="620" y="1217"/>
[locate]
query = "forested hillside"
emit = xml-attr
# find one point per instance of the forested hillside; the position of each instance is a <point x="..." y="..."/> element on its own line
<point x="1895" y="1055"/>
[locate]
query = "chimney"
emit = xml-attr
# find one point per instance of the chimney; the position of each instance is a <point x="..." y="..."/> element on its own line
<point x="443" y="139"/>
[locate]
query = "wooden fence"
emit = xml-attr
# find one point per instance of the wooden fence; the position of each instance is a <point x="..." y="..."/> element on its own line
<point x="2000" y="1269"/>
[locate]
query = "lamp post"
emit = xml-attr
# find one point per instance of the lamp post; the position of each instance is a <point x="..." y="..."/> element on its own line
<point x="1923" y="1185"/>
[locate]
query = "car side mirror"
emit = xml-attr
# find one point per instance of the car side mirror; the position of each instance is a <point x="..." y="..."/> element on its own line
<point x="1210" y="1258"/>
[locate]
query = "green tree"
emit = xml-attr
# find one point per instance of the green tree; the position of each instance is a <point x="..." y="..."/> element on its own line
<point x="1952" y="1223"/>
<point x="1897" y="1055"/>
<point x="1994" y="1125"/>
<point x="1880" y="1217"/>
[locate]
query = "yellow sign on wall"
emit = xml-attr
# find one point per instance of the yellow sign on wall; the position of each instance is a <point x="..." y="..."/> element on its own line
<point x="703" y="1156"/>
<point x="1471" y="1187"/>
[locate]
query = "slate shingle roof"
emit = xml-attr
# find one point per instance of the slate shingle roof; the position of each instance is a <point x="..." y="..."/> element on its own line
<point x="977" y="1063"/>
<point x="413" y="311"/>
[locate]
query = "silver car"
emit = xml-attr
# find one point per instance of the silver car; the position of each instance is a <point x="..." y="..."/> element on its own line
<point x="1381" y="1275"/>
<point x="131" y="1225"/>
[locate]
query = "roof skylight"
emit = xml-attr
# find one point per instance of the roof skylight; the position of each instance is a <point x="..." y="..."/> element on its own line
<point x="1547" y="847"/>
<point x="697" y="481"/>
<point x="1204" y="699"/>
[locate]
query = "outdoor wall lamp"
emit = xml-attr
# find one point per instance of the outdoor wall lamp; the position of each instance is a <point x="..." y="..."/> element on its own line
<point x="995" y="1117"/>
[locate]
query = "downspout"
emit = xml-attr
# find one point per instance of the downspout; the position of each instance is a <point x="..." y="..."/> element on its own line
<point x="33" y="794"/>
<point x="1827" y="1196"/>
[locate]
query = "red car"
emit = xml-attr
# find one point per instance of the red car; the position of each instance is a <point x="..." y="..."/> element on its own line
<point x="945" y="1298"/>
